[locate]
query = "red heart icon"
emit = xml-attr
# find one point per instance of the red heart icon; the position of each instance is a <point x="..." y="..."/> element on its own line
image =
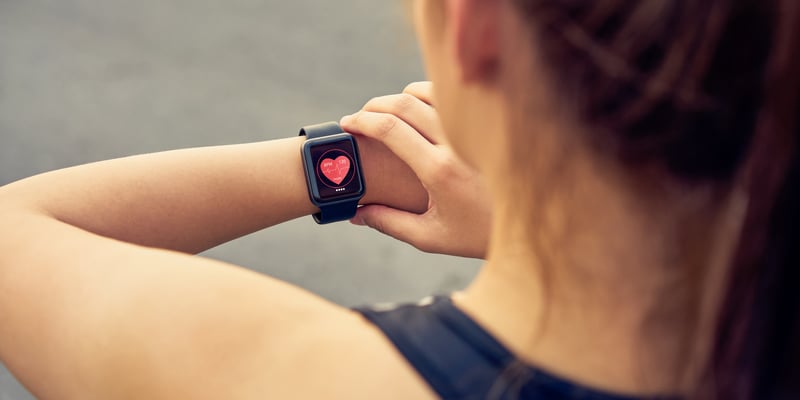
<point x="335" y="170"/>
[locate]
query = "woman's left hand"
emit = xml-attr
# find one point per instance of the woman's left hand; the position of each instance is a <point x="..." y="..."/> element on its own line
<point x="458" y="218"/>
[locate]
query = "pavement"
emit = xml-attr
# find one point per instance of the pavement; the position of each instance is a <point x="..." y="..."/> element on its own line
<point x="86" y="80"/>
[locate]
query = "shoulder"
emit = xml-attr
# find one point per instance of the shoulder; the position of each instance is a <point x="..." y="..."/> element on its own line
<point x="251" y="337"/>
<point x="161" y="324"/>
<point x="343" y="356"/>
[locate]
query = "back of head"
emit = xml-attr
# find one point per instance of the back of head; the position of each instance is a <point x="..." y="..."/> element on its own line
<point x="708" y="89"/>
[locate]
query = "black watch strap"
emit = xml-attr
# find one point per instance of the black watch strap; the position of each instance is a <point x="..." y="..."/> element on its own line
<point x="320" y="130"/>
<point x="337" y="211"/>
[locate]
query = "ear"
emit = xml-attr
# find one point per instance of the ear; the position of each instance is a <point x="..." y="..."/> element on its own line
<point x="474" y="36"/>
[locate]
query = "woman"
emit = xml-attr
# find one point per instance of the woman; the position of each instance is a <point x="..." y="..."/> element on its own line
<point x="639" y="164"/>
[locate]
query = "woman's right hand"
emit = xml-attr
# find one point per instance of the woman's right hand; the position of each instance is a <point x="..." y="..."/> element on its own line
<point x="458" y="217"/>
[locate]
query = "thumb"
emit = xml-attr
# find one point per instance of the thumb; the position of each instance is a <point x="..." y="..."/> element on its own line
<point x="400" y="225"/>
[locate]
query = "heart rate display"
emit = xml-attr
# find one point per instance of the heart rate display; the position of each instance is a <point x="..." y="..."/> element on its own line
<point x="335" y="170"/>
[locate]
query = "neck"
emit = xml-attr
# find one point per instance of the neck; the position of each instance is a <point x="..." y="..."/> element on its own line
<point x="603" y="295"/>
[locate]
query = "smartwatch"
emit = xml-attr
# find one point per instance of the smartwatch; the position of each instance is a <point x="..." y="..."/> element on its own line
<point x="333" y="172"/>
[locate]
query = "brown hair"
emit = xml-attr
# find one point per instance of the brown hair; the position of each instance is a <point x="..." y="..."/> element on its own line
<point x="709" y="90"/>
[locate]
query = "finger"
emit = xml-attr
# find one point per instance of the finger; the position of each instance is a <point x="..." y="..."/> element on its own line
<point x="421" y="90"/>
<point x="398" y="224"/>
<point x="412" y="110"/>
<point x="398" y="136"/>
<point x="424" y="91"/>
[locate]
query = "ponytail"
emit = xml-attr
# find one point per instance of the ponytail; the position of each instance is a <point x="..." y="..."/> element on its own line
<point x="710" y="90"/>
<point x="756" y="354"/>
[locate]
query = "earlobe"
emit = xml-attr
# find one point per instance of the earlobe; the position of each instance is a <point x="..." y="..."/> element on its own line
<point x="473" y="27"/>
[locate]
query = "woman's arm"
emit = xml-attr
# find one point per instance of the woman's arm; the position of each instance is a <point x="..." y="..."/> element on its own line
<point x="93" y="306"/>
<point x="191" y="200"/>
<point x="86" y="317"/>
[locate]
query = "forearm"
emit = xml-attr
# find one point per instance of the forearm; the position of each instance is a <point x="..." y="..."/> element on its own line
<point x="190" y="200"/>
<point x="72" y="304"/>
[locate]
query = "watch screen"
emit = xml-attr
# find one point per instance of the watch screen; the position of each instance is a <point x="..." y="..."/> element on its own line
<point x="335" y="169"/>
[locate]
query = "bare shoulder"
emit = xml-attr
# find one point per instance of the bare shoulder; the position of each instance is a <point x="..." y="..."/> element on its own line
<point x="121" y="321"/>
<point x="316" y="350"/>
<point x="218" y="331"/>
<point x="344" y="356"/>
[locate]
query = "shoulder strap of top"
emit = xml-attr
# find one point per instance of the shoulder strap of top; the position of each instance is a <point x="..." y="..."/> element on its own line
<point x="432" y="339"/>
<point x="461" y="360"/>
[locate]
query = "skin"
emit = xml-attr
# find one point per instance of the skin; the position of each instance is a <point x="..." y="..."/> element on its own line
<point x="611" y="278"/>
<point x="100" y="299"/>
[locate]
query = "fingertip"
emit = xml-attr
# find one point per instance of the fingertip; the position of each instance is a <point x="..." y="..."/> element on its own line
<point x="422" y="90"/>
<point x="352" y="123"/>
<point x="358" y="221"/>
<point x="413" y="86"/>
<point x="346" y="120"/>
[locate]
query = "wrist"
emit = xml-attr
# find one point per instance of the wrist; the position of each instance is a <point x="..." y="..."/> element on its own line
<point x="389" y="181"/>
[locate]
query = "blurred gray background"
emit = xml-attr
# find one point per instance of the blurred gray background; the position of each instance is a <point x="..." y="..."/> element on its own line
<point x="86" y="80"/>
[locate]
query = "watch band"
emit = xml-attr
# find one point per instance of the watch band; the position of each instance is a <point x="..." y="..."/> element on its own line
<point x="338" y="211"/>
<point x="321" y="130"/>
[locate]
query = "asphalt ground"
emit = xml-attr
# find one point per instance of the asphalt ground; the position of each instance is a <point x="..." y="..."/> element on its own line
<point x="87" y="80"/>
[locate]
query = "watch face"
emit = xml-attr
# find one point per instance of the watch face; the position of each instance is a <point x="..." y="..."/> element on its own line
<point x="335" y="169"/>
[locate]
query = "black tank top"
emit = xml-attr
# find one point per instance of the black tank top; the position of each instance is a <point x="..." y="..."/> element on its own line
<point x="460" y="360"/>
